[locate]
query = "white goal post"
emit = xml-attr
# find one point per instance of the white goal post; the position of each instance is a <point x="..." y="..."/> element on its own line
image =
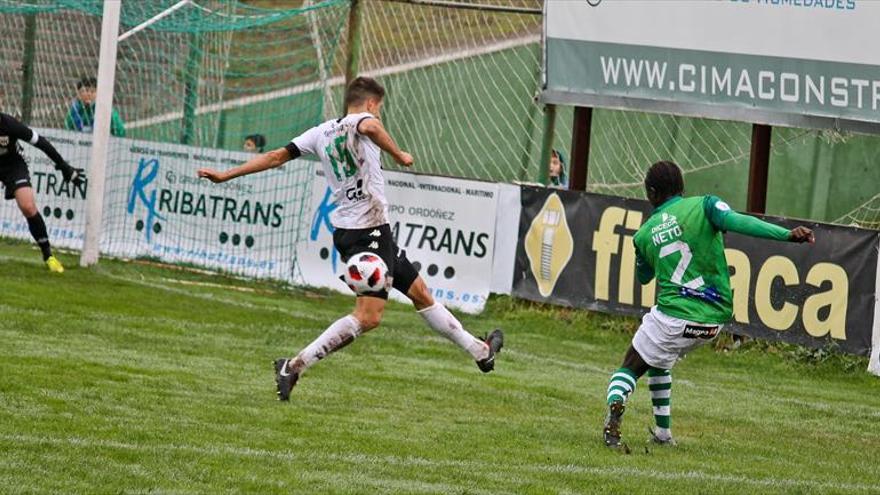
<point x="110" y="39"/>
<point x="101" y="135"/>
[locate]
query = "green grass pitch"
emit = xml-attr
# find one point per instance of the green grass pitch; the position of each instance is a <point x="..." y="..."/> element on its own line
<point x="137" y="379"/>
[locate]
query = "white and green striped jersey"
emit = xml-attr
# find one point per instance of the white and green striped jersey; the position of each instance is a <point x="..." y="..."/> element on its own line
<point x="352" y="165"/>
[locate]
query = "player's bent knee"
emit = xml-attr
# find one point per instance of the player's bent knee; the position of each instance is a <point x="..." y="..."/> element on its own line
<point x="420" y="295"/>
<point x="368" y="315"/>
<point x="368" y="321"/>
<point x="24" y="197"/>
<point x="28" y="210"/>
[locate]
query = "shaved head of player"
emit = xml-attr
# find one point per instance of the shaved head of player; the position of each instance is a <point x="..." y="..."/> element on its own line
<point x="681" y="245"/>
<point x="349" y="148"/>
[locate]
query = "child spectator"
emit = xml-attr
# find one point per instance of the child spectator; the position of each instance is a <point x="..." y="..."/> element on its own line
<point x="558" y="177"/>
<point x="255" y="143"/>
<point x="81" y="116"/>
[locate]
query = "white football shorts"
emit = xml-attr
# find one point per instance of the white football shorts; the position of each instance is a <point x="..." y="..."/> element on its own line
<point x="662" y="339"/>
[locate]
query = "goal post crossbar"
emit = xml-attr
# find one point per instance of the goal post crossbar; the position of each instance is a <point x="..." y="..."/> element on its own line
<point x="156" y="18"/>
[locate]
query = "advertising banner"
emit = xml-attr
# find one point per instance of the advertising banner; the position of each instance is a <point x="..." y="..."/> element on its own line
<point x="808" y="63"/>
<point x="576" y="249"/>
<point x="155" y="206"/>
<point x="63" y="206"/>
<point x="446" y="227"/>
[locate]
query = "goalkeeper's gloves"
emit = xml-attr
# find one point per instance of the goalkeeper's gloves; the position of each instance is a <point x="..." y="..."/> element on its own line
<point x="70" y="174"/>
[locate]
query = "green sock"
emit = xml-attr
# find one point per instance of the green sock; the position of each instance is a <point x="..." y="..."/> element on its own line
<point x="621" y="385"/>
<point x="660" y="385"/>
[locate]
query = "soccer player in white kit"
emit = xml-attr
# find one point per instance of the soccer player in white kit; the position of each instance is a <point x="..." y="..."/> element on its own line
<point x="350" y="149"/>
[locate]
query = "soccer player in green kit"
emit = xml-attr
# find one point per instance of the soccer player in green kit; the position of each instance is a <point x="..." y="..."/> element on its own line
<point x="681" y="244"/>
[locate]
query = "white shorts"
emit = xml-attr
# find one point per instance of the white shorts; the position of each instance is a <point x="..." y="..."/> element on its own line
<point x="662" y="339"/>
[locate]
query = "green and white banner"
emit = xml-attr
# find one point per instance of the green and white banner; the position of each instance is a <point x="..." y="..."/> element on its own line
<point x="156" y="207"/>
<point x="445" y="226"/>
<point x="811" y="63"/>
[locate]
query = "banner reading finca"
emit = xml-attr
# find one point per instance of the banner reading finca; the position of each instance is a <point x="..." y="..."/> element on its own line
<point x="576" y="249"/>
<point x="446" y="226"/>
<point x="804" y="63"/>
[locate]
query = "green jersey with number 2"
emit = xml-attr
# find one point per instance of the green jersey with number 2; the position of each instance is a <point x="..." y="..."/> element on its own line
<point x="683" y="247"/>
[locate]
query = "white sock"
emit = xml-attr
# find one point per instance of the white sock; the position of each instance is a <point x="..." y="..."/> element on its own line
<point x="341" y="333"/>
<point x="445" y="323"/>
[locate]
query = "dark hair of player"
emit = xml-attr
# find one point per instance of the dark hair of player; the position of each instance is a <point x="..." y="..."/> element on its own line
<point x="87" y="82"/>
<point x="362" y="88"/>
<point x="663" y="181"/>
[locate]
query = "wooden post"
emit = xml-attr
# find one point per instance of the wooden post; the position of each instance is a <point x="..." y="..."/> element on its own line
<point x="27" y="68"/>
<point x="759" y="166"/>
<point x="547" y="143"/>
<point x="353" y="59"/>
<point x="191" y="88"/>
<point x="580" y="148"/>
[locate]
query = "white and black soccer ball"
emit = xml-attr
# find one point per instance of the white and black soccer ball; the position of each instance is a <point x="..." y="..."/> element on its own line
<point x="366" y="273"/>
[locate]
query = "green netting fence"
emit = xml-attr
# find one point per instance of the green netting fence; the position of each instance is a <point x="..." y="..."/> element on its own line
<point x="461" y="85"/>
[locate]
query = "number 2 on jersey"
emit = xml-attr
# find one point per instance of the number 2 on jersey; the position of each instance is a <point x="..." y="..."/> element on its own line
<point x="338" y="153"/>
<point x="678" y="274"/>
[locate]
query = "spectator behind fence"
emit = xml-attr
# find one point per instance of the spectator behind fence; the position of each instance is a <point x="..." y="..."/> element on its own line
<point x="81" y="116"/>
<point x="557" y="175"/>
<point x="255" y="143"/>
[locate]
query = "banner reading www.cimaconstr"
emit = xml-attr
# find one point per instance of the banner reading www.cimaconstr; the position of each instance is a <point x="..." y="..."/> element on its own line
<point x="805" y="62"/>
<point x="445" y="226"/>
<point x="576" y="249"/>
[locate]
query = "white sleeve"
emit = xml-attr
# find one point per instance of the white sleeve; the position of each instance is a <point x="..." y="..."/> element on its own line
<point x="307" y="142"/>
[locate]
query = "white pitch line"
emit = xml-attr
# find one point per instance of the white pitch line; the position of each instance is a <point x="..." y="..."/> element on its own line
<point x="209" y="297"/>
<point x="337" y="81"/>
<point x="409" y="461"/>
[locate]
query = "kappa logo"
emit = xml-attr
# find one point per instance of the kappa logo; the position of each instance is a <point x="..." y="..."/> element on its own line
<point x="376" y="233"/>
<point x="549" y="244"/>
<point x="374" y="245"/>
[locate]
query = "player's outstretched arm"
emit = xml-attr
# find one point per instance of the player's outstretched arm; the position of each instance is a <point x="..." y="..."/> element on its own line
<point x="265" y="161"/>
<point x="25" y="133"/>
<point x="755" y="227"/>
<point x="373" y="129"/>
<point x="725" y="219"/>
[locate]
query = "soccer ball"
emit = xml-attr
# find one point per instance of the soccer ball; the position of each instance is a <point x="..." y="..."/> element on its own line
<point x="366" y="273"/>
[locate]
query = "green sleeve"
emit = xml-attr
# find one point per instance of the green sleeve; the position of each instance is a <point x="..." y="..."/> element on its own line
<point x="755" y="227"/>
<point x="117" y="128"/>
<point x="644" y="271"/>
<point x="716" y="210"/>
<point x="723" y="218"/>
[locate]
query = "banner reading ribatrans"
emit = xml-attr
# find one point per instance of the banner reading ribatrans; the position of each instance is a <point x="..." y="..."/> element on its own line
<point x="446" y="227"/>
<point x="157" y="207"/>
<point x="63" y="205"/>
<point x="576" y="249"/>
<point x="791" y="62"/>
